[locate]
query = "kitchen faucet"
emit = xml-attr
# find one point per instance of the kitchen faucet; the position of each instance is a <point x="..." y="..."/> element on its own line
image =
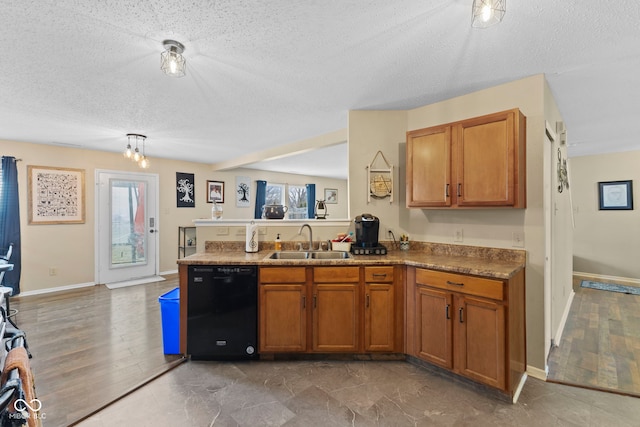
<point x="310" y="235"/>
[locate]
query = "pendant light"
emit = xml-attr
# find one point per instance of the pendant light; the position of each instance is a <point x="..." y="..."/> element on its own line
<point x="486" y="13"/>
<point x="134" y="155"/>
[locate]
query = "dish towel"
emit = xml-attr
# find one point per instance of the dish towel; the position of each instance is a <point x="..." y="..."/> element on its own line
<point x="18" y="358"/>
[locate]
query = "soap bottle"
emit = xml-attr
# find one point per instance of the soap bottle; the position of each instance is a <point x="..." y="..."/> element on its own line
<point x="278" y="243"/>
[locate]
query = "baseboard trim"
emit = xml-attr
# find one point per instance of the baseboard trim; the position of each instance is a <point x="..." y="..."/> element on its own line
<point x="605" y="279"/>
<point x="516" y="394"/>
<point x="56" y="289"/>
<point x="71" y="287"/>
<point x="563" y="321"/>
<point x="537" y="372"/>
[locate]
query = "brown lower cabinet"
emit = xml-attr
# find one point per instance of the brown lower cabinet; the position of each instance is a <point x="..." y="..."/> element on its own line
<point x="469" y="325"/>
<point x="337" y="309"/>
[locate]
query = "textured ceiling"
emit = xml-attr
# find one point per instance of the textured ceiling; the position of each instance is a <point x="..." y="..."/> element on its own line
<point x="264" y="74"/>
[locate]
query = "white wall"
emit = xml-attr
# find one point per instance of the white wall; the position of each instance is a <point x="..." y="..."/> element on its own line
<point x="606" y="242"/>
<point x="69" y="248"/>
<point x="370" y="131"/>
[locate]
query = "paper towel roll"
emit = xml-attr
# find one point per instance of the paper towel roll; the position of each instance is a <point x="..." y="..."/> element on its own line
<point x="251" y="244"/>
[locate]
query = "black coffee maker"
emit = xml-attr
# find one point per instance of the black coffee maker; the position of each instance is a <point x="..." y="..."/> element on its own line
<point x="367" y="229"/>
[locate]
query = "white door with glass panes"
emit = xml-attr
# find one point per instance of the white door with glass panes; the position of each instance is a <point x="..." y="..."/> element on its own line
<point x="126" y="226"/>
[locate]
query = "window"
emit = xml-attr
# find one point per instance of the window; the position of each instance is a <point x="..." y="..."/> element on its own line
<point x="298" y="202"/>
<point x="294" y="197"/>
<point x="275" y="194"/>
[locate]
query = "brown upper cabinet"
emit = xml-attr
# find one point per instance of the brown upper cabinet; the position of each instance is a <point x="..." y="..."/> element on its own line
<point x="474" y="163"/>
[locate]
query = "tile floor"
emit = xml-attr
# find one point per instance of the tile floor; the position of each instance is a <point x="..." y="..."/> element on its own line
<point x="350" y="393"/>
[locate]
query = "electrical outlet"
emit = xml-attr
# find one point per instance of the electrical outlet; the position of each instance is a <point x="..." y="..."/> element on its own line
<point x="457" y="235"/>
<point x="390" y="234"/>
<point x="53" y="271"/>
<point x="222" y="231"/>
<point x="518" y="240"/>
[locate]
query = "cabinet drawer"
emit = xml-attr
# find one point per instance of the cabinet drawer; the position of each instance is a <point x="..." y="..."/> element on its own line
<point x="283" y="275"/>
<point x="477" y="286"/>
<point x="336" y="274"/>
<point x="378" y="274"/>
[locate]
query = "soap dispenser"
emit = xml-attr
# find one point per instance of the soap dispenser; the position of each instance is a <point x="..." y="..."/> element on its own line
<point x="278" y="243"/>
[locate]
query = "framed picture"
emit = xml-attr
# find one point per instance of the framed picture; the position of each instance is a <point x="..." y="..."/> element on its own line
<point x="185" y="190"/>
<point x="243" y="190"/>
<point x="55" y="195"/>
<point x="331" y="195"/>
<point x="215" y="191"/>
<point x="615" y="195"/>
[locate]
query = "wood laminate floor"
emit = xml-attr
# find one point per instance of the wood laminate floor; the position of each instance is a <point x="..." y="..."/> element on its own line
<point x="600" y="345"/>
<point x="92" y="345"/>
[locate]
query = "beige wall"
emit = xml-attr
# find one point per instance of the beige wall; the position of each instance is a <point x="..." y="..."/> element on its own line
<point x="370" y="131"/>
<point x="606" y="242"/>
<point x="69" y="248"/>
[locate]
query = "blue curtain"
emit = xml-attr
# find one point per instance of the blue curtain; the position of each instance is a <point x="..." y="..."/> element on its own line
<point x="311" y="200"/>
<point x="261" y="198"/>
<point x="10" y="221"/>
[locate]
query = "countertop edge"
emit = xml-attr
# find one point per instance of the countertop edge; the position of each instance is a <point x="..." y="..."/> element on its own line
<point x="474" y="266"/>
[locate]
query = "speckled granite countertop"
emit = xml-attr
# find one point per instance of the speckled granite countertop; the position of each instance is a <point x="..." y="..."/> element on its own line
<point x="477" y="261"/>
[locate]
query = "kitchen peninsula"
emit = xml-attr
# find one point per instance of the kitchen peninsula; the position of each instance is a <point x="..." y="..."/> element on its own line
<point x="460" y="308"/>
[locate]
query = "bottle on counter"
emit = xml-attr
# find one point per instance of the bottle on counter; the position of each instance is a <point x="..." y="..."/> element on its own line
<point x="278" y="243"/>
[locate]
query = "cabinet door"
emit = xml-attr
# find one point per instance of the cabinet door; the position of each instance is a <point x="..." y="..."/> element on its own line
<point x="335" y="317"/>
<point x="283" y="325"/>
<point x="480" y="340"/>
<point x="485" y="152"/>
<point x="429" y="167"/>
<point x="379" y="325"/>
<point x="433" y="326"/>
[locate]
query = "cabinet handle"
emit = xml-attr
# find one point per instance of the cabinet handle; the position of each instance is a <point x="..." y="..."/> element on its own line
<point x="446" y="190"/>
<point x="460" y="314"/>
<point x="315" y="301"/>
<point x="304" y="301"/>
<point x="367" y="303"/>
<point x="459" y="190"/>
<point x="380" y="275"/>
<point x="446" y="311"/>
<point x="454" y="283"/>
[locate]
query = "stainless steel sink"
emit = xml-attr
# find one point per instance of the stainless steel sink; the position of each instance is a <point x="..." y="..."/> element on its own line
<point x="330" y="255"/>
<point x="289" y="255"/>
<point x="310" y="255"/>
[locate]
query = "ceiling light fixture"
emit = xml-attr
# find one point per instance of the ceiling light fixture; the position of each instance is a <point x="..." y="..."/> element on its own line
<point x="134" y="155"/>
<point x="171" y="60"/>
<point x="486" y="13"/>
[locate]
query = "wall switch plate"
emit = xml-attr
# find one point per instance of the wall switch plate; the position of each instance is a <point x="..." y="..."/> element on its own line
<point x="518" y="240"/>
<point x="222" y="231"/>
<point x="262" y="231"/>
<point x="457" y="235"/>
<point x="53" y="271"/>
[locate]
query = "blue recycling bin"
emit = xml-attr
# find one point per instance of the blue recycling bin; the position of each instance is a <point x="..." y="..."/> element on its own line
<point x="170" y="313"/>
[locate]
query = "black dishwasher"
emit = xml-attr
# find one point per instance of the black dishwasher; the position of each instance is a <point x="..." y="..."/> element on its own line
<point x="222" y="312"/>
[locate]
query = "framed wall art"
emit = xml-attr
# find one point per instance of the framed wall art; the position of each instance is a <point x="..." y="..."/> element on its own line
<point x="55" y="195"/>
<point x="215" y="191"/>
<point x="331" y="195"/>
<point x="185" y="190"/>
<point x="615" y="195"/>
<point x="243" y="190"/>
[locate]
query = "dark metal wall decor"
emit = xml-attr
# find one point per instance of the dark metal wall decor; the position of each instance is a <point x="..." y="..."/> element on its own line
<point x="185" y="190"/>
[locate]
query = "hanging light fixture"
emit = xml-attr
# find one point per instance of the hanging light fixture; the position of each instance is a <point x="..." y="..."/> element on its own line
<point x="486" y="13"/>
<point x="171" y="60"/>
<point x="134" y="155"/>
